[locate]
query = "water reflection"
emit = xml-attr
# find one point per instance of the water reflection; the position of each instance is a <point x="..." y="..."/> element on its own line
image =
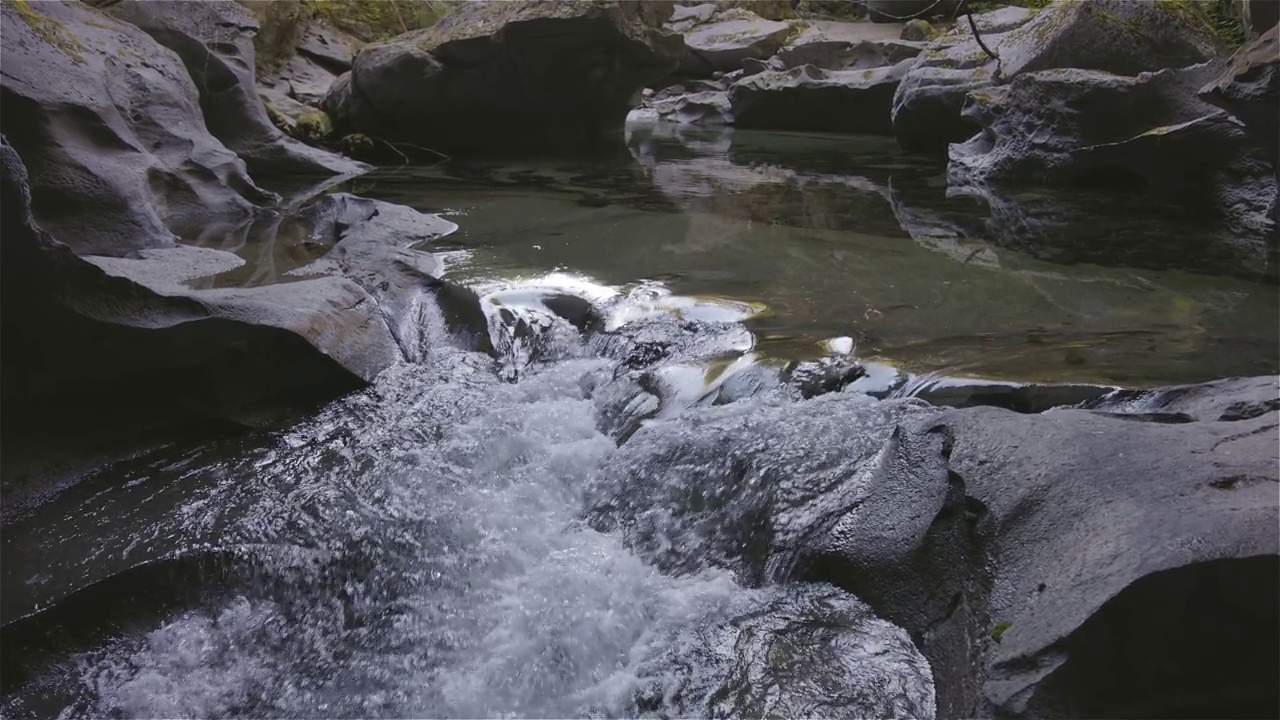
<point x="848" y="237"/>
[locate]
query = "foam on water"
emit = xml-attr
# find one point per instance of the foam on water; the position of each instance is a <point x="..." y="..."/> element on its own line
<point x="430" y="561"/>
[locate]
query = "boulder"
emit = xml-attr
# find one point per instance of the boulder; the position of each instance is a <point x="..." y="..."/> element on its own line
<point x="1125" y="37"/>
<point x="1250" y="90"/>
<point x="513" y="74"/>
<point x="807" y="98"/>
<point x="117" y="147"/>
<point x="215" y="42"/>
<point x="1147" y="133"/>
<point x="810" y="650"/>
<point x="725" y="38"/>
<point x="1063" y="564"/>
<point x="1071" y="564"/>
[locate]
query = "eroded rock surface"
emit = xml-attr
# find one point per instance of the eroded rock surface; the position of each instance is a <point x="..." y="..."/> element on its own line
<point x="215" y="42"/>
<point x="117" y="147"/>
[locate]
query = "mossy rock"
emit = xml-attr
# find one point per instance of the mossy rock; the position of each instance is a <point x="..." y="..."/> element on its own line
<point x="49" y="29"/>
<point x="314" y="127"/>
<point x="357" y="145"/>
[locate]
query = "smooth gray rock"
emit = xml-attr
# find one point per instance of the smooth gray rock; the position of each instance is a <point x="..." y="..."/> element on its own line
<point x="328" y="47"/>
<point x="116" y="148"/>
<point x="1250" y="89"/>
<point x="807" y="98"/>
<point x="1147" y="134"/>
<point x="729" y="37"/>
<point x="1072" y="564"/>
<point x="215" y="42"/>
<point x="511" y="74"/>
<point x="1124" y="37"/>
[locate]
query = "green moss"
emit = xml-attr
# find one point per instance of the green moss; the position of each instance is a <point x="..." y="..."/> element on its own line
<point x="314" y="126"/>
<point x="374" y="20"/>
<point x="50" y="30"/>
<point x="356" y="145"/>
<point x="999" y="630"/>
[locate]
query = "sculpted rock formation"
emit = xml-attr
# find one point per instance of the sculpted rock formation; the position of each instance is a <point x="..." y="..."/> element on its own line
<point x="117" y="146"/>
<point x="215" y="41"/>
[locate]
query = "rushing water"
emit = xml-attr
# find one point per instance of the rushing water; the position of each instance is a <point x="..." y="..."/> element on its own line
<point x="483" y="535"/>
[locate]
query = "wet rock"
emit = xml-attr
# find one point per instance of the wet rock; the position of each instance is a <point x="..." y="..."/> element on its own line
<point x="1015" y="547"/>
<point x="1227" y="400"/>
<point x="807" y="98"/>
<point x="819" y="377"/>
<point x="1125" y="37"/>
<point x="517" y="74"/>
<point x="811" y="651"/>
<point x="745" y="486"/>
<point x="1250" y="89"/>
<point x="1137" y="134"/>
<point x="1022" y="398"/>
<point x="215" y="42"/>
<point x="117" y="147"/>
<point x="85" y="334"/>
<point x="725" y="38"/>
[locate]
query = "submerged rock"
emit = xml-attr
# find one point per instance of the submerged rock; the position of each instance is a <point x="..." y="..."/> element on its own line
<point x="116" y="147"/>
<point x="215" y="41"/>
<point x="514" y="74"/>
<point x="1124" y="37"/>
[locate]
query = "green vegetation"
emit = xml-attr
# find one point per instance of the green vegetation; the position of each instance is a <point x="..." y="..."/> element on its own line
<point x="49" y="29"/>
<point x="313" y="127"/>
<point x="374" y="20"/>
<point x="999" y="630"/>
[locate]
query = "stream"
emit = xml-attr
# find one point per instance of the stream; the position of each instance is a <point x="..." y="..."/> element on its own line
<point x="476" y="535"/>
